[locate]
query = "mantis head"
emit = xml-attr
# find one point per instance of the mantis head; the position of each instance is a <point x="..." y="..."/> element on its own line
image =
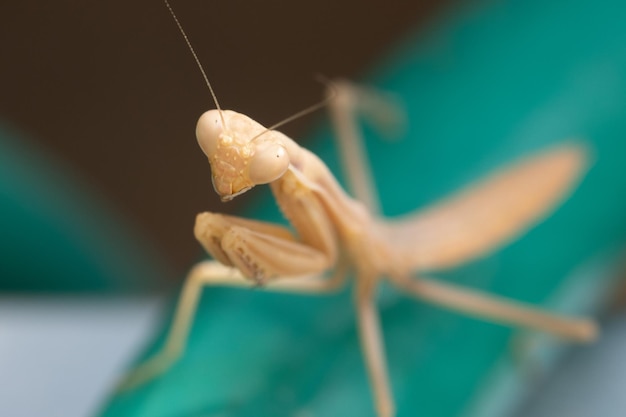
<point x="242" y="152"/>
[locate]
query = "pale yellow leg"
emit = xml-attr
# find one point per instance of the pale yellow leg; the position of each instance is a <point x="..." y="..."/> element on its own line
<point x="213" y="273"/>
<point x="259" y="250"/>
<point x="358" y="173"/>
<point x="374" y="351"/>
<point x="349" y="102"/>
<point x="498" y="309"/>
<point x="382" y="110"/>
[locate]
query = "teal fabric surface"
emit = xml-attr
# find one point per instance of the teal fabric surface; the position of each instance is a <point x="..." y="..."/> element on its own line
<point x="490" y="82"/>
<point x="58" y="234"/>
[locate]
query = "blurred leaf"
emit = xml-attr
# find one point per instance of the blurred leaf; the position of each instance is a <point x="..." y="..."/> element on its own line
<point x="58" y="234"/>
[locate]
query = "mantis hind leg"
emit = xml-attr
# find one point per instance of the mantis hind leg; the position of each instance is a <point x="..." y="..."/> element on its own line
<point x="212" y="273"/>
<point x="498" y="309"/>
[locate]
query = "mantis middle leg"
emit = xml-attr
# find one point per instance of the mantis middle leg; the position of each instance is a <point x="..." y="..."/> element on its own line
<point x="251" y="252"/>
<point x="212" y="273"/>
<point x="373" y="348"/>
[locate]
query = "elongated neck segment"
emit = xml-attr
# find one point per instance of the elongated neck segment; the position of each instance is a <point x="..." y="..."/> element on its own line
<point x="348" y="214"/>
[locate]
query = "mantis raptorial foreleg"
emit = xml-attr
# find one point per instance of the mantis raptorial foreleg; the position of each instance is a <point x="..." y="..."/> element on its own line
<point x="252" y="252"/>
<point x="261" y="251"/>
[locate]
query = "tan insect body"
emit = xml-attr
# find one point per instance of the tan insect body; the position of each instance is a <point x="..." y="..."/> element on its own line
<point x="336" y="231"/>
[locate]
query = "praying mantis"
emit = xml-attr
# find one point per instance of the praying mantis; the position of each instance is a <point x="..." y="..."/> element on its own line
<point x="334" y="231"/>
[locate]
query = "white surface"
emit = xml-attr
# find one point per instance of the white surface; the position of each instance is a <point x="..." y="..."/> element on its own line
<point x="60" y="356"/>
<point x="590" y="381"/>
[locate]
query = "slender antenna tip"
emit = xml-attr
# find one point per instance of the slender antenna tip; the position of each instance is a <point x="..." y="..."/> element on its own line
<point x="195" y="57"/>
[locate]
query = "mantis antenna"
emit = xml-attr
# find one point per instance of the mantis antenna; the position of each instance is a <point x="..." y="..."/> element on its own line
<point x="304" y="112"/>
<point x="193" y="52"/>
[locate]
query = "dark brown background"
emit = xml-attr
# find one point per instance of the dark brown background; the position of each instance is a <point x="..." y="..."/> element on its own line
<point x="111" y="87"/>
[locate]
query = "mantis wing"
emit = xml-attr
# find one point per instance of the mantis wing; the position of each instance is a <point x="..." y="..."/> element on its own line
<point x="488" y="214"/>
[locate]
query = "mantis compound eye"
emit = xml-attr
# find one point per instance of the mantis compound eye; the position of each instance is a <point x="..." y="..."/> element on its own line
<point x="270" y="161"/>
<point x="208" y="131"/>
